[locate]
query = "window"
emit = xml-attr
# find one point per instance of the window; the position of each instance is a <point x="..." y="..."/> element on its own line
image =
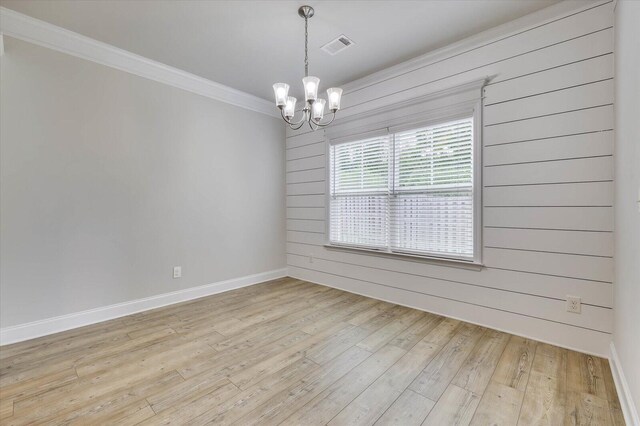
<point x="408" y="192"/>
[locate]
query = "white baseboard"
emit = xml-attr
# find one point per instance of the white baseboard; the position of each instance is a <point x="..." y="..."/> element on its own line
<point x="562" y="335"/>
<point x="629" y="409"/>
<point x="48" y="326"/>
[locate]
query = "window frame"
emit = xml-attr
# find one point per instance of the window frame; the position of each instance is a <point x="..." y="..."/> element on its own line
<point x="445" y="110"/>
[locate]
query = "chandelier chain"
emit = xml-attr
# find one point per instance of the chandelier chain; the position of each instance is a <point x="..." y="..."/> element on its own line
<point x="306" y="42"/>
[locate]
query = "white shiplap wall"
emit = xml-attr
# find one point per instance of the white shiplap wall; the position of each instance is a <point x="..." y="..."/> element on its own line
<point x="547" y="184"/>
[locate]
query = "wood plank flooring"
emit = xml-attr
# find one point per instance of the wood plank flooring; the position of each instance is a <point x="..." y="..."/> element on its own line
<point x="294" y="353"/>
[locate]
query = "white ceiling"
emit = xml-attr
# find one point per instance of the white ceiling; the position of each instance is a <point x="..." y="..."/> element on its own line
<point x="249" y="45"/>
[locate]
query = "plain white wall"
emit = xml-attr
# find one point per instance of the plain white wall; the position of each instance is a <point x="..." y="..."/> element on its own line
<point x="109" y="180"/>
<point x="627" y="215"/>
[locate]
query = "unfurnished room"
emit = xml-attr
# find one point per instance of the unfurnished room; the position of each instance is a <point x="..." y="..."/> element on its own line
<point x="320" y="212"/>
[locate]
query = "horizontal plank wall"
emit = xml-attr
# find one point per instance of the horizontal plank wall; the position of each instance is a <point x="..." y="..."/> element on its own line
<point x="547" y="184"/>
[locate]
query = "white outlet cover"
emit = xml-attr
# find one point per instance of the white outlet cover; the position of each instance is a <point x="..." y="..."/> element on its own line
<point x="574" y="304"/>
<point x="177" y="271"/>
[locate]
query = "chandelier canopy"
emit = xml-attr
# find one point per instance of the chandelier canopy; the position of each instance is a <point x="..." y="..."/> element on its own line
<point x="313" y="111"/>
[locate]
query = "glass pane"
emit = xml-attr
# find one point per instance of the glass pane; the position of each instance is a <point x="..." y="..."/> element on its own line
<point x="439" y="223"/>
<point x="439" y="156"/>
<point x="361" y="166"/>
<point x="360" y="220"/>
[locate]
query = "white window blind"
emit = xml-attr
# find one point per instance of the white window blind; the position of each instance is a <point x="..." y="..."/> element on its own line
<point x="360" y="193"/>
<point x="409" y="192"/>
<point x="432" y="203"/>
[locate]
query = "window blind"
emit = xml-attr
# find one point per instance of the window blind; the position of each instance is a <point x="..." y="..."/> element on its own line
<point x="360" y="180"/>
<point x="432" y="202"/>
<point x="409" y="192"/>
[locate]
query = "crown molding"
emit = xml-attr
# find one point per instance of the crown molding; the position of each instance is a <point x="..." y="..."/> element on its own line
<point x="23" y="27"/>
<point x="525" y="23"/>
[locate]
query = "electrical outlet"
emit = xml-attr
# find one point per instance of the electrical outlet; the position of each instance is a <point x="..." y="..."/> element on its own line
<point x="574" y="304"/>
<point x="177" y="272"/>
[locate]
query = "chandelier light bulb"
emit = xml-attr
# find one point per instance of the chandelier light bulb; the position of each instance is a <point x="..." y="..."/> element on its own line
<point x="281" y="90"/>
<point x="318" y="109"/>
<point x="310" y="88"/>
<point x="290" y="107"/>
<point x="334" y="94"/>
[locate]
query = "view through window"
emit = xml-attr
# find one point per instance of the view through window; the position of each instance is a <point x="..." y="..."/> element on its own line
<point x="407" y="192"/>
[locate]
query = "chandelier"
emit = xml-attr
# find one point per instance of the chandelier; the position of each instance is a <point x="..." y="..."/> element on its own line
<point x="313" y="111"/>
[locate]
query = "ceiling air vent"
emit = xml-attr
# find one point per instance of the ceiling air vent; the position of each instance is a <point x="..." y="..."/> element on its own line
<point x="338" y="45"/>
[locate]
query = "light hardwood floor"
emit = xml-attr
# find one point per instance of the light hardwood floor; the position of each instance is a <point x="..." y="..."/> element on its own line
<point x="294" y="353"/>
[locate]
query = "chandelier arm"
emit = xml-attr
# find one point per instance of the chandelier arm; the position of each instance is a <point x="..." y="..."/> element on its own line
<point x="289" y="122"/>
<point x="317" y="123"/>
<point x="293" y="127"/>
<point x="305" y="116"/>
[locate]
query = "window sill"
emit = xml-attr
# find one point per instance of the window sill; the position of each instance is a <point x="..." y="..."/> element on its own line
<point x="454" y="263"/>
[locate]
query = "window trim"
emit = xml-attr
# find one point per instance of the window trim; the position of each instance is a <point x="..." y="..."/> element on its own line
<point x="446" y="261"/>
<point x="448" y="107"/>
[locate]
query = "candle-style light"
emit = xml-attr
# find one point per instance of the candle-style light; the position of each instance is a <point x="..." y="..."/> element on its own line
<point x="281" y="91"/>
<point x="290" y="107"/>
<point x="318" y="109"/>
<point x="334" y="94"/>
